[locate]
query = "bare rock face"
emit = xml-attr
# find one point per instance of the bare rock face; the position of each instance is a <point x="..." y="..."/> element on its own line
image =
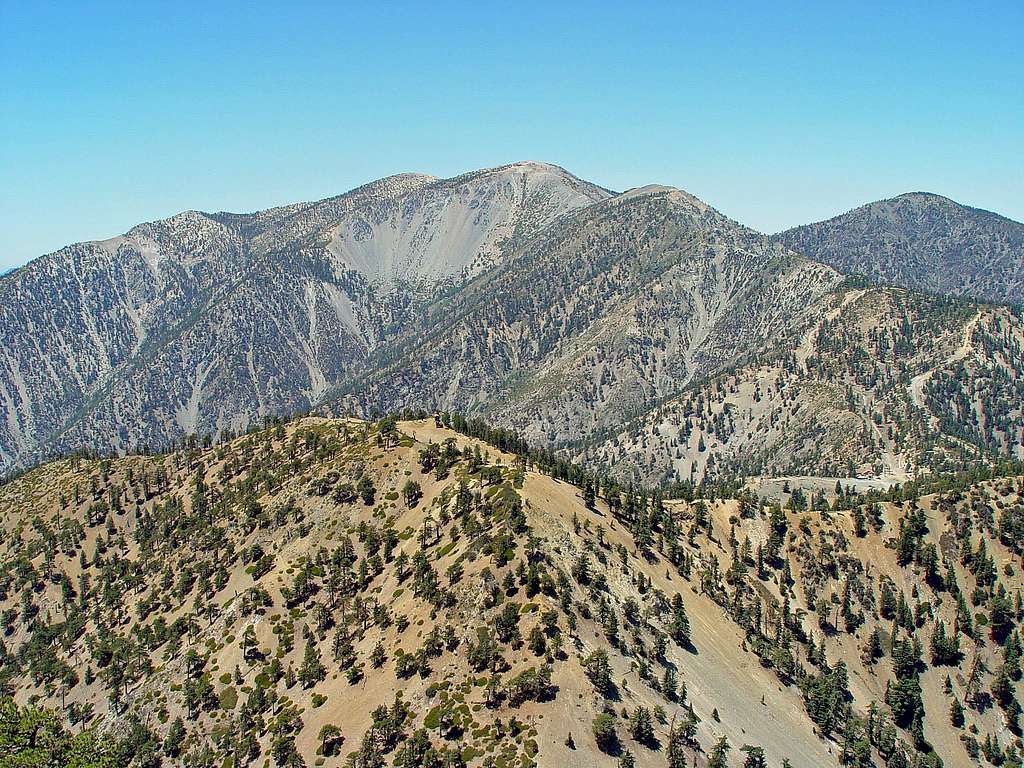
<point x="922" y="241"/>
<point x="451" y="230"/>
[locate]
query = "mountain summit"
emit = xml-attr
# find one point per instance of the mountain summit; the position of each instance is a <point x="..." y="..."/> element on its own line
<point x="922" y="241"/>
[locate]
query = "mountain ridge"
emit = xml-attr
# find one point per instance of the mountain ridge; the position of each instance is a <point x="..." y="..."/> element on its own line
<point x="428" y="594"/>
<point x="184" y="266"/>
<point x="519" y="292"/>
<point x="924" y="241"/>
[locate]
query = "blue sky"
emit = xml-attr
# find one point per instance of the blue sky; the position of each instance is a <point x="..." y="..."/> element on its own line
<point x="116" y="113"/>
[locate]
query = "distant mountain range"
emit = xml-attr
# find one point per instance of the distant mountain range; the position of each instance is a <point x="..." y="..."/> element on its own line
<point x="644" y="331"/>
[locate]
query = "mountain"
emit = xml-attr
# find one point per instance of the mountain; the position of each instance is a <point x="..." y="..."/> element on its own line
<point x="883" y="384"/>
<point x="651" y="335"/>
<point x="922" y="241"/>
<point x="512" y="287"/>
<point x="598" y="317"/>
<point x="207" y="322"/>
<point x="642" y="332"/>
<point x="693" y="496"/>
<point x="324" y="591"/>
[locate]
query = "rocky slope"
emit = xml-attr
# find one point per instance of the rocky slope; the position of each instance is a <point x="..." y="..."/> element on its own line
<point x="627" y="330"/>
<point x="883" y="384"/>
<point x="325" y="591"/>
<point x="599" y="317"/>
<point x="922" y="241"/>
<point x="206" y="322"/>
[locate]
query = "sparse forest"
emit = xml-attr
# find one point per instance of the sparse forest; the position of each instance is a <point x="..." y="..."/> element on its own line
<point x="409" y="594"/>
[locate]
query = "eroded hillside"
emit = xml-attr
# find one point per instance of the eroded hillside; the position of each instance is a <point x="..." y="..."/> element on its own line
<point x="600" y="317"/>
<point x="204" y="323"/>
<point x="884" y="384"/>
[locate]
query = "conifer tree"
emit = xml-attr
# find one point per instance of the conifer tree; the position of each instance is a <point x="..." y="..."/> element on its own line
<point x="719" y="754"/>
<point x="312" y="670"/>
<point x="679" y="623"/>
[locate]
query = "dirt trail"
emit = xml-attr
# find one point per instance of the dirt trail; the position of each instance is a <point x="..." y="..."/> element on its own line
<point x="918" y="383"/>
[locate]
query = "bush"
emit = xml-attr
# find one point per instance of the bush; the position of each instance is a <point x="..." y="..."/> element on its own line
<point x="604" y="732"/>
<point x="228" y="698"/>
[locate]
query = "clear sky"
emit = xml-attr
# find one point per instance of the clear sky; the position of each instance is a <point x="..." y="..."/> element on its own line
<point x="117" y="113"/>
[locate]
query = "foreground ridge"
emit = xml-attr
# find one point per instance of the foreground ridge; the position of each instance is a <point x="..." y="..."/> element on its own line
<point x="403" y="594"/>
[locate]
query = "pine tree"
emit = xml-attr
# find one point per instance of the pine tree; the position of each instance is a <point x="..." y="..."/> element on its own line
<point x="679" y="624"/>
<point x="250" y="646"/>
<point x="330" y="739"/>
<point x="675" y="752"/>
<point x="603" y="729"/>
<point x="175" y="738"/>
<point x="599" y="672"/>
<point x="1012" y="655"/>
<point x="312" y="670"/>
<point x="589" y="497"/>
<point x="873" y="647"/>
<point x="641" y="727"/>
<point x="1000" y="619"/>
<point x="956" y="714"/>
<point x="755" y="757"/>
<point x="945" y="650"/>
<point x="859" y="522"/>
<point x="378" y="656"/>
<point x="719" y="754"/>
<point x="411" y="493"/>
<point x="366" y="490"/>
<point x="669" y="684"/>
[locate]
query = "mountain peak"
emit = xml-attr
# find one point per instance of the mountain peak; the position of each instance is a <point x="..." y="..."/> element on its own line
<point x="912" y="199"/>
<point x="921" y="195"/>
<point x="532" y="165"/>
<point x="648" y="189"/>
<point x="924" y="241"/>
<point x="673" y="195"/>
<point x="534" y="169"/>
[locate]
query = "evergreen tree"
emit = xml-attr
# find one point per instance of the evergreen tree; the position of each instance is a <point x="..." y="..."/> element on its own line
<point x="678" y="741"/>
<point x="755" y="757"/>
<point x="603" y="729"/>
<point x="719" y="754"/>
<point x="956" y="714"/>
<point x="641" y="727"/>
<point x="945" y="650"/>
<point x="599" y="672"/>
<point x="312" y="670"/>
<point x="175" y="738"/>
<point x="679" y="623"/>
<point x="1001" y="617"/>
<point x="589" y="497"/>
